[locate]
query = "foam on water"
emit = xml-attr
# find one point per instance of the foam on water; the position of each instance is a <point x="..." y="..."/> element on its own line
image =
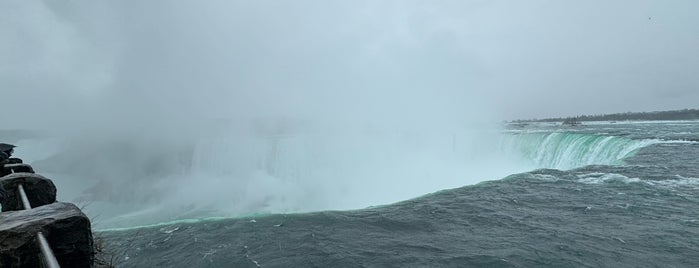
<point x="598" y="178"/>
<point x="601" y="178"/>
<point x="545" y="177"/>
<point x="678" y="181"/>
<point x="164" y="224"/>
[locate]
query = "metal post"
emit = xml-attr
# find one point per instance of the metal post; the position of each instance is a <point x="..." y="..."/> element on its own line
<point x="49" y="258"/>
<point x="23" y="195"/>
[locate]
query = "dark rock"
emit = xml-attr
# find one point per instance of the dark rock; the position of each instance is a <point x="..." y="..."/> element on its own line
<point x="8" y="169"/>
<point x="6" y="147"/>
<point x="14" y="160"/>
<point x="65" y="227"/>
<point x="40" y="190"/>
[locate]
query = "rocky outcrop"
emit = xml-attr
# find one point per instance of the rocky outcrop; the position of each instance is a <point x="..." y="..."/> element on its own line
<point x="13" y="160"/>
<point x="65" y="227"/>
<point x="8" y="169"/>
<point x="40" y="190"/>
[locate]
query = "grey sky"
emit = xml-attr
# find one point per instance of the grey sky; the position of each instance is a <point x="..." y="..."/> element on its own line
<point x="64" y="62"/>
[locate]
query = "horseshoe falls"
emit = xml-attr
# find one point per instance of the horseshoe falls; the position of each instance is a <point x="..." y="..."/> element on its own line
<point x="561" y="150"/>
<point x="298" y="172"/>
<point x="239" y="173"/>
<point x="601" y="194"/>
<point x="619" y="194"/>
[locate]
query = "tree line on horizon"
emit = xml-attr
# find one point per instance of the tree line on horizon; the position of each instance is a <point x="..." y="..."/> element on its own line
<point x="685" y="114"/>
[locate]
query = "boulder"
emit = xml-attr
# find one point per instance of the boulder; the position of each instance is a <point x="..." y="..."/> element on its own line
<point x="40" y="190"/>
<point x="8" y="169"/>
<point x="65" y="227"/>
<point x="13" y="160"/>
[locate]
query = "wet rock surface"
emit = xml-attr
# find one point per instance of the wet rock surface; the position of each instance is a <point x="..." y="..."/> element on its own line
<point x="40" y="190"/>
<point x="66" y="228"/>
<point x="8" y="169"/>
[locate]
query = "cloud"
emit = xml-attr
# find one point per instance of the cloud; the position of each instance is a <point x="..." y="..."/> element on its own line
<point x="391" y="59"/>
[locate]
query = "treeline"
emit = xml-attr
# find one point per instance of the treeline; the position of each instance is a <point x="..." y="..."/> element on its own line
<point x="686" y="114"/>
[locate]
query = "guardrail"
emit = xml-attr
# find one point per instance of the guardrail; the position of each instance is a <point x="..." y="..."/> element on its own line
<point x="49" y="259"/>
<point x="50" y="217"/>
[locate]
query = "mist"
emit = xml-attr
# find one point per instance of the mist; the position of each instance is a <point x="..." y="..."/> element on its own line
<point x="270" y="106"/>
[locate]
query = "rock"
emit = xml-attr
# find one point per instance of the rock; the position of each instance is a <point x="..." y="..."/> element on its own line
<point x="8" y="169"/>
<point x="40" y="190"/>
<point x="65" y="227"/>
<point x="14" y="160"/>
<point x="2" y="194"/>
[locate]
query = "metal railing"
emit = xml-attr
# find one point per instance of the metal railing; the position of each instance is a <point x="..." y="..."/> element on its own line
<point x="49" y="258"/>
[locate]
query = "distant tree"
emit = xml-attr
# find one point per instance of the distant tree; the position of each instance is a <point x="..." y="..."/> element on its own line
<point x="684" y="114"/>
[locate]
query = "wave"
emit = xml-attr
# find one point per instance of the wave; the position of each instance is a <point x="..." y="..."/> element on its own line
<point x="564" y="150"/>
<point x="599" y="178"/>
<point x="676" y="181"/>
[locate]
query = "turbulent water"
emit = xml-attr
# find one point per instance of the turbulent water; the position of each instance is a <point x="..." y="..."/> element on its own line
<point x="607" y="195"/>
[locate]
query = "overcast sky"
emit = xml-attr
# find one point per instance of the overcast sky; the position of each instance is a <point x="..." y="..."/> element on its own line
<point x="405" y="61"/>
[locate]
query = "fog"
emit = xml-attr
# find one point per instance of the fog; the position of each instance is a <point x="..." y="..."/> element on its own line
<point x="274" y="106"/>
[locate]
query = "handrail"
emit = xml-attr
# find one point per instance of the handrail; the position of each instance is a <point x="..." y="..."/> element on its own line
<point x="49" y="258"/>
<point x="23" y="196"/>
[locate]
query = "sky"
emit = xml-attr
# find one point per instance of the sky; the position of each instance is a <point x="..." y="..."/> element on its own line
<point x="381" y="61"/>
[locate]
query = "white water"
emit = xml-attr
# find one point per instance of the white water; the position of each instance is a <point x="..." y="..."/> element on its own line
<point x="571" y="150"/>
